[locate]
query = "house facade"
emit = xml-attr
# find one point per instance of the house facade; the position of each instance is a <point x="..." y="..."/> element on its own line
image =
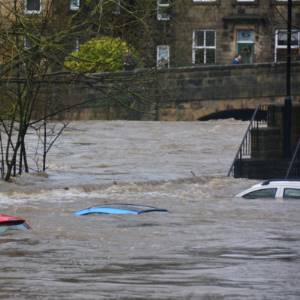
<point x="174" y="33"/>
<point x="214" y="31"/>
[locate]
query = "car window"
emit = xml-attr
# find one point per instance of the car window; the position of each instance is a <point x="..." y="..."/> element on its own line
<point x="291" y="193"/>
<point x="262" y="193"/>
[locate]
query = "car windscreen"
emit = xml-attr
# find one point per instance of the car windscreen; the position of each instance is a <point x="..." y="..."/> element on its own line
<point x="262" y="193"/>
<point x="291" y="193"/>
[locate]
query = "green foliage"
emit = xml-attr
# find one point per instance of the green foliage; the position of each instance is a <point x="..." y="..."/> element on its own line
<point x="105" y="54"/>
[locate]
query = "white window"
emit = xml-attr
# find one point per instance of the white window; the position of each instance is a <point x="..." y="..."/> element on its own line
<point x="281" y="43"/>
<point x="74" y="4"/>
<point x="163" y="10"/>
<point x="204" y="47"/>
<point x="163" y="56"/>
<point x="33" y="6"/>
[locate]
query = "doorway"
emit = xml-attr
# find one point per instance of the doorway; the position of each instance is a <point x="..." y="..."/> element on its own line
<point x="245" y="45"/>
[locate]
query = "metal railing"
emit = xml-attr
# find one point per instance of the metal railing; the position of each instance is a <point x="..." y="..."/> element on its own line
<point x="245" y="148"/>
<point x="292" y="166"/>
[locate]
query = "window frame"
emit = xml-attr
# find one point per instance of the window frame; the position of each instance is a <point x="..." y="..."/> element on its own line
<point x="204" y="47"/>
<point x="276" y="46"/>
<point x="32" y="12"/>
<point x="284" y="1"/>
<point x="245" y="2"/>
<point x="159" y="6"/>
<point x="74" y="7"/>
<point x="76" y="44"/>
<point x="206" y="2"/>
<point x="157" y="56"/>
<point x="27" y="43"/>
<point x="290" y="188"/>
<point x="275" y="191"/>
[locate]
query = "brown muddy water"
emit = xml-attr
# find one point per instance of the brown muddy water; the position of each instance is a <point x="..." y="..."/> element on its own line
<point x="209" y="246"/>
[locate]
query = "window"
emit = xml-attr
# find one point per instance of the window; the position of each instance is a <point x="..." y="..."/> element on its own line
<point x="163" y="10"/>
<point x="245" y="45"/>
<point x="74" y="4"/>
<point x="263" y="193"/>
<point x="163" y="56"/>
<point x="281" y="44"/>
<point x="27" y="43"/>
<point x="33" y="6"/>
<point x="117" y="7"/>
<point x="291" y="193"/>
<point x="76" y="44"/>
<point x="204" y="47"/>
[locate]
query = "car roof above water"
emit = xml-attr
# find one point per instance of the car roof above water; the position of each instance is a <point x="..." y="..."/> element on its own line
<point x="271" y="184"/>
<point x="279" y="183"/>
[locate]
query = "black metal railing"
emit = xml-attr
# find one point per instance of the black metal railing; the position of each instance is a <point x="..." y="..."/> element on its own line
<point x="294" y="167"/>
<point x="245" y="149"/>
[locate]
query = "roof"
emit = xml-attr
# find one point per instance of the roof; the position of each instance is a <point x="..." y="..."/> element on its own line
<point x="119" y="209"/>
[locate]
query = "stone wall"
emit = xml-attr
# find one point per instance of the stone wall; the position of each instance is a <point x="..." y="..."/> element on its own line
<point x="179" y="93"/>
<point x="182" y="94"/>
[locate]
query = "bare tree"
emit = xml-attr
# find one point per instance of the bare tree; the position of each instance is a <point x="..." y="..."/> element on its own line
<point x="33" y="44"/>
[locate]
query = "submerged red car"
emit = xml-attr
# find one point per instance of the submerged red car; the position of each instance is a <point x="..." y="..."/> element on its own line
<point x="12" y="223"/>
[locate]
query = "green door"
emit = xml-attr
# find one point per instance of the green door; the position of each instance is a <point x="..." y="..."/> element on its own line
<point x="247" y="52"/>
<point x="245" y="45"/>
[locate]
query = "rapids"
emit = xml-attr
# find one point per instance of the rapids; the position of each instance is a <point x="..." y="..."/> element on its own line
<point x="209" y="246"/>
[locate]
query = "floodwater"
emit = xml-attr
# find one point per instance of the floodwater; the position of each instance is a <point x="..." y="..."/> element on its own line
<point x="209" y="246"/>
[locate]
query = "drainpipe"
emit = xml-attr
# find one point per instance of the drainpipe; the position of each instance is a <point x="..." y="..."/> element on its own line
<point x="288" y="99"/>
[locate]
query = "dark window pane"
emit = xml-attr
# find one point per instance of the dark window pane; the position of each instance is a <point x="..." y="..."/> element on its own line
<point x="282" y="38"/>
<point x="294" y="39"/>
<point x="291" y="193"/>
<point x="210" y="56"/>
<point x="164" y="12"/>
<point x="199" y="38"/>
<point x="245" y="36"/>
<point x="27" y="43"/>
<point x="199" y="56"/>
<point x="33" y="5"/>
<point x="210" y="38"/>
<point x="264" y="193"/>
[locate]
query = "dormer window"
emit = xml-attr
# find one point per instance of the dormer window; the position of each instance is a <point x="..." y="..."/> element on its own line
<point x="163" y="10"/>
<point x="33" y="6"/>
<point x="74" y="4"/>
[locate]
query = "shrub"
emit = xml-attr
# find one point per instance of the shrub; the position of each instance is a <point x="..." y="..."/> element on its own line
<point x="103" y="54"/>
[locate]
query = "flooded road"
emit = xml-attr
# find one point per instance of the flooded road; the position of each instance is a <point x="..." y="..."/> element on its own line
<point x="209" y="246"/>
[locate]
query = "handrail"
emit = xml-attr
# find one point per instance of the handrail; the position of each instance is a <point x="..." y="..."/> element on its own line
<point x="292" y="160"/>
<point x="244" y="139"/>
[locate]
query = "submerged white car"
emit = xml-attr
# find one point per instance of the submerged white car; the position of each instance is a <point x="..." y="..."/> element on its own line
<point x="286" y="189"/>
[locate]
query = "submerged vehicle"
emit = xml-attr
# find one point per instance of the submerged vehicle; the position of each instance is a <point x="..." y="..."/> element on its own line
<point x="119" y="209"/>
<point x="286" y="189"/>
<point x="12" y="223"/>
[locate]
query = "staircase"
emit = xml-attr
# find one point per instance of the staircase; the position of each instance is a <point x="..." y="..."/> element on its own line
<point x="260" y="155"/>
